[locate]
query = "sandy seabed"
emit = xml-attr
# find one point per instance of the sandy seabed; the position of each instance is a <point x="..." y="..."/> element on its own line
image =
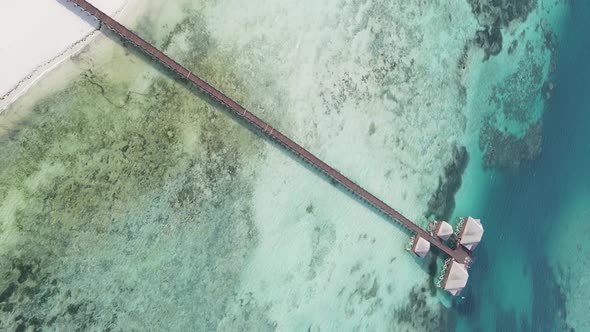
<point x="131" y="202"/>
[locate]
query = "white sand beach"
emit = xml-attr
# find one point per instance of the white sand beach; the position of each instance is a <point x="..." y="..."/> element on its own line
<point x="38" y="35"/>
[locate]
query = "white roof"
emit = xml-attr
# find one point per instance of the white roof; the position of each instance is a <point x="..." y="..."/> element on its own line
<point x="456" y="278"/>
<point x="471" y="233"/>
<point x="421" y="246"/>
<point x="444" y="230"/>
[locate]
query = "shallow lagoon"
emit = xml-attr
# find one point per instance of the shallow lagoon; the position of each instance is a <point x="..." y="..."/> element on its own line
<point x="132" y="201"/>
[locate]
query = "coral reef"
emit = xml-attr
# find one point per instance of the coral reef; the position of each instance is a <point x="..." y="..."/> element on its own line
<point x="497" y="13"/>
<point x="442" y="202"/>
<point x="512" y="135"/>
<point x="507" y="151"/>
<point x="494" y="15"/>
<point x="437" y="319"/>
<point x="490" y="40"/>
<point x="517" y="95"/>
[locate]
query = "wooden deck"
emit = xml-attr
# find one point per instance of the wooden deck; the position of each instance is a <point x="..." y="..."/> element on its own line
<point x="460" y="254"/>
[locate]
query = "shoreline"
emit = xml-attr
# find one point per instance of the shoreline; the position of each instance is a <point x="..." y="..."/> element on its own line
<point x="18" y="80"/>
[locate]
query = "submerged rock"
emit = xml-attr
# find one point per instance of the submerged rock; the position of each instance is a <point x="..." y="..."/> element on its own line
<point x="501" y="13"/>
<point x="490" y="40"/>
<point x="548" y="87"/>
<point x="494" y="15"/>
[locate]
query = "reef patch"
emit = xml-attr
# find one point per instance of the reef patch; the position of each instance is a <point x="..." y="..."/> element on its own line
<point x="442" y="202"/>
<point x="418" y="315"/>
<point x="493" y="16"/>
<point x="490" y="40"/>
<point x="505" y="150"/>
<point x="512" y="135"/>
<point x="493" y="13"/>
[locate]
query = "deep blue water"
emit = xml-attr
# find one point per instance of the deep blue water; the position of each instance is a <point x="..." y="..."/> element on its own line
<point x="512" y="287"/>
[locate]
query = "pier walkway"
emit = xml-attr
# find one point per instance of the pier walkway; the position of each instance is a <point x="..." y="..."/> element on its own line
<point x="459" y="254"/>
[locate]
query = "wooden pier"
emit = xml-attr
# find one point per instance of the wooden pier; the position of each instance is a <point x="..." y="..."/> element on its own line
<point x="459" y="254"/>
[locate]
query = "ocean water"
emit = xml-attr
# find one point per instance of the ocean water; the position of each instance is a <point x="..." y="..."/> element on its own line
<point x="130" y="202"/>
<point x="531" y="273"/>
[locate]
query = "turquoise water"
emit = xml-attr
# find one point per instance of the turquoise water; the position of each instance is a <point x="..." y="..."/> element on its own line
<point x="130" y="203"/>
<point x="514" y="284"/>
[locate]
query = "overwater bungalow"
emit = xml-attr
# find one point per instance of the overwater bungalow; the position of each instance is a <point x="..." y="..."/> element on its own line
<point x="443" y="230"/>
<point x="455" y="277"/>
<point x="470" y="232"/>
<point x="420" y="247"/>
